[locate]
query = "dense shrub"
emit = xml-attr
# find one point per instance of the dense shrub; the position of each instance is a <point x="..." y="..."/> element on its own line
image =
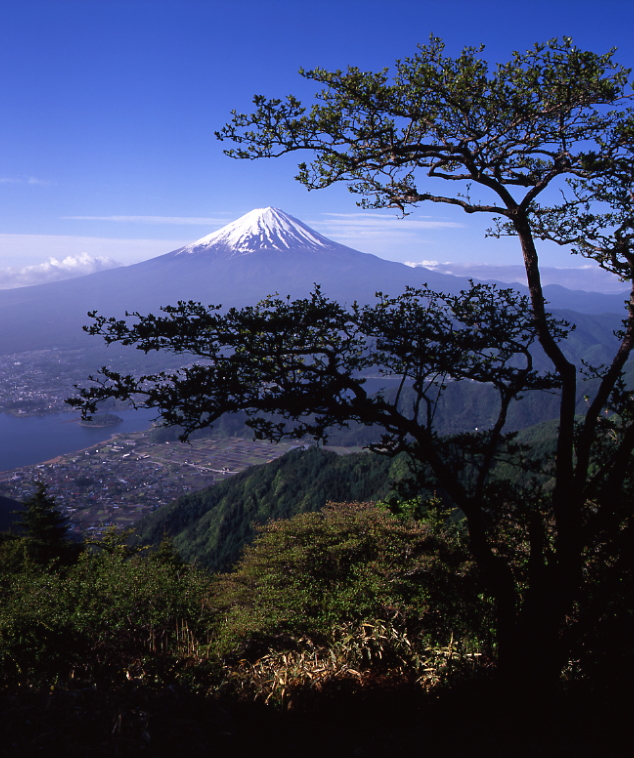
<point x="213" y="525"/>
<point x="104" y="615"/>
<point x="348" y="563"/>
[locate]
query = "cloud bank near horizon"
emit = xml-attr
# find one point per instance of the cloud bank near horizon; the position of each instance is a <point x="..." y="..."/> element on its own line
<point x="588" y="277"/>
<point x="54" y="270"/>
<point x="379" y="233"/>
<point x="19" y="250"/>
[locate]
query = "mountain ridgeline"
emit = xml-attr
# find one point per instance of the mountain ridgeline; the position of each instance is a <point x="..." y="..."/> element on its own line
<point x="264" y="252"/>
<point x="212" y="526"/>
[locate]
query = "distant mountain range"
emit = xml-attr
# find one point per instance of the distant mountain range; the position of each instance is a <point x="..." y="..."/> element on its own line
<point x="264" y="252"/>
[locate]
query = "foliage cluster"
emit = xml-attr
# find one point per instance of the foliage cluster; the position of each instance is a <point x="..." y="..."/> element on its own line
<point x="350" y="605"/>
<point x="348" y="564"/>
<point x="312" y="586"/>
<point x="100" y="618"/>
<point x="351" y="658"/>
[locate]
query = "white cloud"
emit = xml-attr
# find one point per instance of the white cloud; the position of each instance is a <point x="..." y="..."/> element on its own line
<point x="18" y="250"/>
<point x="379" y="220"/>
<point x="380" y="233"/>
<point x="426" y="264"/>
<point x="24" y="180"/>
<point x="372" y="224"/>
<point x="178" y="220"/>
<point x="54" y="270"/>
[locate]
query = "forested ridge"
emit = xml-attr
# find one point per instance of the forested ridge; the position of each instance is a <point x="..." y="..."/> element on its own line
<point x="212" y="526"/>
<point x="462" y="407"/>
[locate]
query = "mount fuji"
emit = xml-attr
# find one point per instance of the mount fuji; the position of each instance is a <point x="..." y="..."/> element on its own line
<point x="263" y="229"/>
<point x="264" y="252"/>
<point x="267" y="251"/>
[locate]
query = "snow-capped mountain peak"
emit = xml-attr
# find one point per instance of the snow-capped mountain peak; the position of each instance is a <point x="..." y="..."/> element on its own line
<point x="259" y="230"/>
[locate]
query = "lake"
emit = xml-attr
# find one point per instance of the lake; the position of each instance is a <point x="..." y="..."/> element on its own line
<point x="25" y="441"/>
<point x="34" y="439"/>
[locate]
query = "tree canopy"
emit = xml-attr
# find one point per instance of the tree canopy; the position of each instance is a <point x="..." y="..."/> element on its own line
<point x="554" y="117"/>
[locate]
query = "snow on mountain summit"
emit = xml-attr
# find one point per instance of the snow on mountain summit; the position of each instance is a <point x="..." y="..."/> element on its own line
<point x="259" y="230"/>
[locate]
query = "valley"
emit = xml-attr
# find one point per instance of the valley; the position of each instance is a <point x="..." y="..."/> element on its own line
<point x="38" y="382"/>
<point x="116" y="482"/>
<point x="118" y="476"/>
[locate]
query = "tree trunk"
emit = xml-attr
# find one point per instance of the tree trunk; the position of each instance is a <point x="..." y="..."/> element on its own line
<point x="531" y="648"/>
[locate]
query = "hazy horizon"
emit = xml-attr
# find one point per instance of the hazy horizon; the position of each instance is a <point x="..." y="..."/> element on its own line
<point x="582" y="277"/>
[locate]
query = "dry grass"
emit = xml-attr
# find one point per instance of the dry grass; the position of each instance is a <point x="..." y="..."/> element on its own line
<point x="356" y="657"/>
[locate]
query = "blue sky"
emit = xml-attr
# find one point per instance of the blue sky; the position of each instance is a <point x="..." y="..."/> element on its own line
<point x="109" y="110"/>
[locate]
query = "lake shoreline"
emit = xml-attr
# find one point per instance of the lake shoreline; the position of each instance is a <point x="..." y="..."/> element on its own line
<point x="59" y="458"/>
<point x="35" y="440"/>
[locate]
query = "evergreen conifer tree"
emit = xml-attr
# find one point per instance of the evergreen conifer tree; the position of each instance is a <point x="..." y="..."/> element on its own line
<point x="45" y="529"/>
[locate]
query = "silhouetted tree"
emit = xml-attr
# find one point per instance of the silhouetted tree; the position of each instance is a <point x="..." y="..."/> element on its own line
<point x="500" y="139"/>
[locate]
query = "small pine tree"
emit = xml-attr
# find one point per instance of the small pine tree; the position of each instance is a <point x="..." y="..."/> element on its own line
<point x="45" y="529"/>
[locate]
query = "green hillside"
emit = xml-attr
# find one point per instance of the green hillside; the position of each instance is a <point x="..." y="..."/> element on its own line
<point x="213" y="525"/>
